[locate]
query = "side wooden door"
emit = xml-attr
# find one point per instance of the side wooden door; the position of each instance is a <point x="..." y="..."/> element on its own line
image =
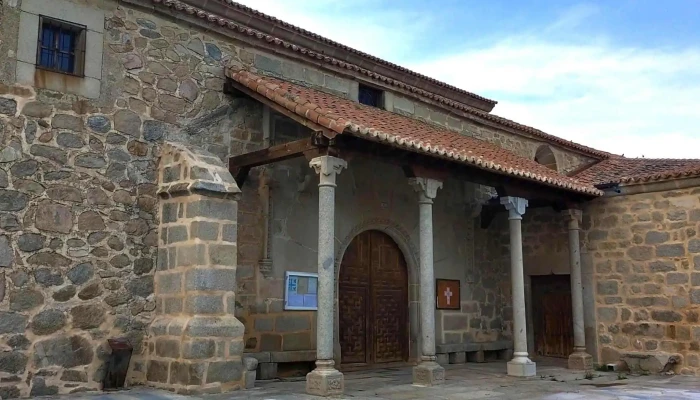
<point x="552" y="315"/>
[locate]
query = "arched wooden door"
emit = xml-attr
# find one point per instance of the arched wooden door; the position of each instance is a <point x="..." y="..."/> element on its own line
<point x="373" y="301"/>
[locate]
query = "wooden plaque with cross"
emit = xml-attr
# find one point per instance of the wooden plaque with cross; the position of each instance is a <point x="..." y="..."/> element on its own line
<point x="447" y="291"/>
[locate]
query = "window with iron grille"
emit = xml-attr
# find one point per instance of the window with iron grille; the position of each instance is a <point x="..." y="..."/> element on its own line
<point x="370" y="96"/>
<point x="61" y="46"/>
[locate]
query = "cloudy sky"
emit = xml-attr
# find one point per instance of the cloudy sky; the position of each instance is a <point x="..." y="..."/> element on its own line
<point x="618" y="75"/>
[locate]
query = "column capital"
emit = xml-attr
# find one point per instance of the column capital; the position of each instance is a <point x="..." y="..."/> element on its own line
<point x="515" y="205"/>
<point x="328" y="167"/>
<point x="574" y="217"/>
<point x="426" y="187"/>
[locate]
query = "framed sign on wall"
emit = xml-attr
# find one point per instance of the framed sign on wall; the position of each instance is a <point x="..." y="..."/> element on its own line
<point x="447" y="292"/>
<point x="301" y="291"/>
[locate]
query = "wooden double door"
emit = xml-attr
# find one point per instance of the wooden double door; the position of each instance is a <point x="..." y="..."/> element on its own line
<point x="552" y="315"/>
<point x="373" y="301"/>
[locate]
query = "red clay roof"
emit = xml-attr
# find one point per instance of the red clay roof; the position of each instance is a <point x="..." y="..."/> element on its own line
<point x="346" y="116"/>
<point x="253" y="33"/>
<point x="619" y="169"/>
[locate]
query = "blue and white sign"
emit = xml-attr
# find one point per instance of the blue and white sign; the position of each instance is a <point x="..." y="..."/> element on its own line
<point x="301" y="291"/>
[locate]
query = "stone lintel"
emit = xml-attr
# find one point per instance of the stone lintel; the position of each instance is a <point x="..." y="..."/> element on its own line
<point x="428" y="373"/>
<point x="516" y="206"/>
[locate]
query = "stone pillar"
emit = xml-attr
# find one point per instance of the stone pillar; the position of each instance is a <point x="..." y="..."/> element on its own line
<point x="325" y="380"/>
<point x="520" y="365"/>
<point x="428" y="372"/>
<point x="579" y="359"/>
<point x="196" y="342"/>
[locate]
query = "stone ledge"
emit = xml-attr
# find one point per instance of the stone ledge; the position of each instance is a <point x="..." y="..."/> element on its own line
<point x="469" y="347"/>
<point x="283" y="356"/>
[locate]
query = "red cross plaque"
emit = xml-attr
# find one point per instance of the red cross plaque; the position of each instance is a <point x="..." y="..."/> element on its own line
<point x="447" y="291"/>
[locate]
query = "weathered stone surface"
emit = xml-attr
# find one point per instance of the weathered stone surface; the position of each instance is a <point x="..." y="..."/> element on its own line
<point x="47" y="277"/>
<point x="25" y="299"/>
<point x="64" y="121"/>
<point x="49" y="152"/>
<point x="39" y="388"/>
<point x="12" y="362"/>
<point x="53" y="217"/>
<point x="37" y="109"/>
<point x="670" y="250"/>
<point x="154" y="130"/>
<point x="127" y="122"/>
<point x="87" y="316"/>
<point x="11" y="200"/>
<point x="64" y="293"/>
<point x="189" y="90"/>
<point x="81" y="273"/>
<point x="213" y="51"/>
<point x="120" y="261"/>
<point x="90" y="291"/>
<point x="224" y="371"/>
<point x="11" y="322"/>
<point x="7" y="255"/>
<point x="141" y="286"/>
<point x="48" y="322"/>
<point x="65" y="193"/>
<point x="63" y="351"/>
<point x="90" y="160"/>
<point x="8" y="106"/>
<point x="49" y="259"/>
<point x="24" y="168"/>
<point x="9" y="154"/>
<point x="99" y="123"/>
<point x="143" y="266"/>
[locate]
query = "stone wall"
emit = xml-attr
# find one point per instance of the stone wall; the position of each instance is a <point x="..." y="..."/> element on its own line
<point x="646" y="254"/>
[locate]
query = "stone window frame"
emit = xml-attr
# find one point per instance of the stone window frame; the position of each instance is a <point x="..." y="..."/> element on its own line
<point x="89" y="84"/>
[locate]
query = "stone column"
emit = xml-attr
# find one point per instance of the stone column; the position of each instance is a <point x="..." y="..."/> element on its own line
<point x="325" y="380"/>
<point x="428" y="372"/>
<point x="520" y="365"/>
<point x="196" y="340"/>
<point x="579" y="359"/>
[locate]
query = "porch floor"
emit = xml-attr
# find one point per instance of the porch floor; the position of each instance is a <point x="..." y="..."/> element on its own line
<point x="464" y="381"/>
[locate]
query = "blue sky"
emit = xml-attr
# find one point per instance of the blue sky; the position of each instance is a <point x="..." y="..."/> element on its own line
<point x="619" y="75"/>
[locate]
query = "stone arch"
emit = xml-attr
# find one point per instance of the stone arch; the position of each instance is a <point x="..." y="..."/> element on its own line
<point x="411" y="255"/>
<point x="545" y="156"/>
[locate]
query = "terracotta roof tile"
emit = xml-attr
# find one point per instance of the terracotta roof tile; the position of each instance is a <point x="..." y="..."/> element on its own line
<point x="346" y="116"/>
<point x="619" y="169"/>
<point x="226" y="23"/>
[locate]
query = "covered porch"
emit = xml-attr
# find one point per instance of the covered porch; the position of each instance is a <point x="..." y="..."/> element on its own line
<point x="344" y="133"/>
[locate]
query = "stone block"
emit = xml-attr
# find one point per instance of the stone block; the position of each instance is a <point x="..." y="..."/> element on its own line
<point x="169" y="348"/>
<point x="191" y="255"/>
<point x="250" y="377"/>
<point x="580" y="361"/>
<point x="325" y="382"/>
<point x="670" y="250"/>
<point x="213" y="208"/>
<point x="198" y="349"/>
<point x="187" y="373"/>
<point x="158" y="371"/>
<point x="177" y="234"/>
<point x="204" y="304"/>
<point x="267" y="370"/>
<point x="608" y="288"/>
<point x="228" y="326"/>
<point x="204" y="230"/>
<point x="292" y="323"/>
<point x="521" y="369"/>
<point x="264" y="324"/>
<point x="459" y="357"/>
<point x="428" y="374"/>
<point x="223" y="254"/>
<point x="270" y="342"/>
<point x="455" y="322"/>
<point x="443" y="358"/>
<point x="224" y="371"/>
<point x="296" y="341"/>
<point x="476" y="356"/>
<point x="211" y="279"/>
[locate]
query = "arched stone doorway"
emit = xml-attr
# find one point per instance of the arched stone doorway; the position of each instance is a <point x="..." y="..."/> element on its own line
<point x="373" y="301"/>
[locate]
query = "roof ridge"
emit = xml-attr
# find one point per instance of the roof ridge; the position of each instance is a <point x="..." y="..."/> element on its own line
<point x="223" y="22"/>
<point x="327" y="118"/>
<point x="352" y="50"/>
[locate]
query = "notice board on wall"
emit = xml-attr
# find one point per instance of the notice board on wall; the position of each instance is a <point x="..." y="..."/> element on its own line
<point x="301" y="291"/>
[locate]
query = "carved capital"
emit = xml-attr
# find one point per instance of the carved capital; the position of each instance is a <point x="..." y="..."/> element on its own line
<point x="426" y="187"/>
<point x="515" y="205"/>
<point x="327" y="167"/>
<point x="573" y="217"/>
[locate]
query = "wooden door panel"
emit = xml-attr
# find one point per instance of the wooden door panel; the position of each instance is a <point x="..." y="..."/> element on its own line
<point x="374" y="328"/>
<point x="552" y="315"/>
<point x="352" y="306"/>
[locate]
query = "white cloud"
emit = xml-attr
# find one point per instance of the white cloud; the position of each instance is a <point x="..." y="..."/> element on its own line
<point x="631" y="100"/>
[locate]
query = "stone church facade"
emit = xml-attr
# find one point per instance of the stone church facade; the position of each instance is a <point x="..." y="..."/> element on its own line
<point x="175" y="172"/>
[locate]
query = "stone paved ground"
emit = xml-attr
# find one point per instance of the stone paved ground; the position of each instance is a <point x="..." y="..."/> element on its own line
<point x="464" y="382"/>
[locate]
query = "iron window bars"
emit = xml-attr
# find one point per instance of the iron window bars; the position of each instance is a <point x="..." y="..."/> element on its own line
<point x="61" y="46"/>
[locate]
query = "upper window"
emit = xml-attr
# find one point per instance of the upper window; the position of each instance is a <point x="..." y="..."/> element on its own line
<point x="61" y="46"/>
<point x="545" y="156"/>
<point x="370" y="96"/>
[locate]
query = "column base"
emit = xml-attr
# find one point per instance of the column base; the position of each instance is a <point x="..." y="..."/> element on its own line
<point x="580" y="360"/>
<point x="428" y="373"/>
<point x="521" y="366"/>
<point x="325" y="381"/>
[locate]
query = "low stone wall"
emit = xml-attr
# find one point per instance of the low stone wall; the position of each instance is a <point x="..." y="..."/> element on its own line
<point x="646" y="253"/>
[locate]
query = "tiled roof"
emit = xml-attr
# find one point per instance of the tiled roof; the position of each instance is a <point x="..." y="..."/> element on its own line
<point x="346" y="116"/>
<point x="617" y="169"/>
<point x="253" y="33"/>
